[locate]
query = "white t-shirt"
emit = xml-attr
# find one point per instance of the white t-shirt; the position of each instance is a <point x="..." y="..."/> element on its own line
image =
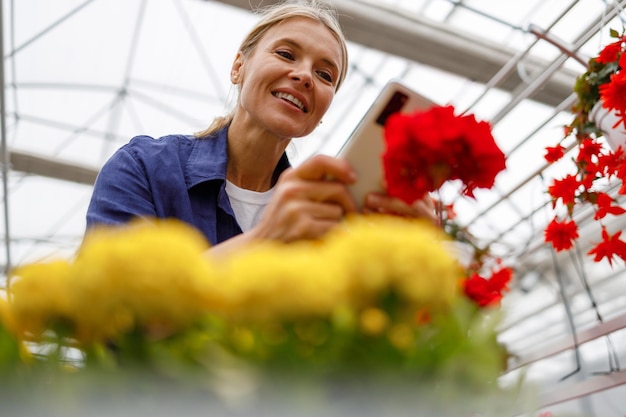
<point x="247" y="205"/>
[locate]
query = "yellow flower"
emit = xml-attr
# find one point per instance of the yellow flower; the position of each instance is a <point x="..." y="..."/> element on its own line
<point x="407" y="256"/>
<point x="374" y="321"/>
<point x="145" y="274"/>
<point x="402" y="336"/>
<point x="243" y="339"/>
<point x="40" y="296"/>
<point x="141" y="275"/>
<point x="280" y="281"/>
<point x="157" y="275"/>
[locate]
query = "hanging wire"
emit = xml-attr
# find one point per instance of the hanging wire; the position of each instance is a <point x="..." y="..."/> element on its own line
<point x="577" y="258"/>
<point x="568" y="312"/>
<point x="616" y="5"/>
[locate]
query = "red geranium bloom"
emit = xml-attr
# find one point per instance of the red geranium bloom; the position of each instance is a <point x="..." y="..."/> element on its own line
<point x="610" y="52"/>
<point x="477" y="288"/>
<point x="485" y="291"/>
<point x="609" y="164"/>
<point x="555" y="153"/>
<point x="500" y="279"/>
<point x="603" y="201"/>
<point x="427" y="148"/>
<point x="588" y="151"/>
<point x="609" y="247"/>
<point x="597" y="167"/>
<point x="613" y="93"/>
<point x="565" y="189"/>
<point x="561" y="234"/>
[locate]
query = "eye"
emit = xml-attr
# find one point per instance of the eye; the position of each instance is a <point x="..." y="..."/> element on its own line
<point x="325" y="75"/>
<point x="285" y="54"/>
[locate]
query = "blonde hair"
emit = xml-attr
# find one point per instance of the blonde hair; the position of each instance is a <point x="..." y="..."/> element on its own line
<point x="317" y="10"/>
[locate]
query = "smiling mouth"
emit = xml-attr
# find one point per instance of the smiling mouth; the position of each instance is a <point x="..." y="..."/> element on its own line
<point x="291" y="99"/>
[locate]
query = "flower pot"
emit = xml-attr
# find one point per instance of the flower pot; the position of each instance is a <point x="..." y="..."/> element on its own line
<point x="606" y="121"/>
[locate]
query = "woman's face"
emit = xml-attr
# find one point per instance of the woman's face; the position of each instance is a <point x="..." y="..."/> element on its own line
<point x="288" y="82"/>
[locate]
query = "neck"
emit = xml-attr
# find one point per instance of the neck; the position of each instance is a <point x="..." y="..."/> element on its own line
<point x="252" y="157"/>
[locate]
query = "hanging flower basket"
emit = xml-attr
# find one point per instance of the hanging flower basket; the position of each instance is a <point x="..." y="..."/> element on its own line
<point x="599" y="113"/>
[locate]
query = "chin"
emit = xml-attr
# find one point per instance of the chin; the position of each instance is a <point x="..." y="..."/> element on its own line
<point x="293" y="131"/>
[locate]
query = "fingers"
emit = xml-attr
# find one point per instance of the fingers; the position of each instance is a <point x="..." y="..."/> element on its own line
<point x="321" y="179"/>
<point x="308" y="200"/>
<point x="382" y="203"/>
<point x="322" y="167"/>
<point x="301" y="219"/>
<point x="328" y="192"/>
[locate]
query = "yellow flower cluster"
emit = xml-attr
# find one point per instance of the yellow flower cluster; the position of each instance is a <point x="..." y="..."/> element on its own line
<point x="159" y="275"/>
<point x="152" y="275"/>
<point x="352" y="266"/>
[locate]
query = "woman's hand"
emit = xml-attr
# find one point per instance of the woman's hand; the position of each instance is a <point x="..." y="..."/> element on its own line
<point x="308" y="201"/>
<point x="382" y="203"/>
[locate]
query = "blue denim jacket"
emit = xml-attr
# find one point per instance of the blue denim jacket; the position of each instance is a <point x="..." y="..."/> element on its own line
<point x="176" y="176"/>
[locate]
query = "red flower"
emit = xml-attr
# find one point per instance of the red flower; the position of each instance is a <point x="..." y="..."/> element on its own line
<point x="612" y="93"/>
<point x="588" y="151"/>
<point x="555" y="153"/>
<point x="609" y="164"/>
<point x="609" y="247"/>
<point x="500" y="279"/>
<point x="565" y="189"/>
<point x="561" y="234"/>
<point x="610" y="52"/>
<point x="596" y="167"/>
<point x="427" y="148"/>
<point x="603" y="201"/>
<point x="485" y="291"/>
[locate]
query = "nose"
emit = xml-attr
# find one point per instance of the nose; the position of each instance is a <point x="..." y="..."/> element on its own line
<point x="302" y="75"/>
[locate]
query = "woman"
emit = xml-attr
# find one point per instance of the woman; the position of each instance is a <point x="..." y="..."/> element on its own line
<point x="233" y="181"/>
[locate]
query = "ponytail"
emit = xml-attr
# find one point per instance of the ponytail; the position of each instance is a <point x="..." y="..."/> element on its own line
<point x="218" y="124"/>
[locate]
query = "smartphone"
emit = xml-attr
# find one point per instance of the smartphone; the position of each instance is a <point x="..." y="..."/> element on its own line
<point x="366" y="144"/>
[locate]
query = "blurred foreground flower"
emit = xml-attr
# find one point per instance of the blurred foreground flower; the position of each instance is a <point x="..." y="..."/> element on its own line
<point x="379" y="296"/>
<point x="378" y="293"/>
<point x="143" y="276"/>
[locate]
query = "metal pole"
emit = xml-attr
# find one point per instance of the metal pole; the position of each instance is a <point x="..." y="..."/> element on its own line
<point x="5" y="152"/>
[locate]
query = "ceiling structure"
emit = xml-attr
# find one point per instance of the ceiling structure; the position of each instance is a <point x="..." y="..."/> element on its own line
<point x="83" y="76"/>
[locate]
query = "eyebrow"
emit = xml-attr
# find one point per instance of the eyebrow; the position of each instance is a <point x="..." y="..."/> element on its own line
<point x="297" y="45"/>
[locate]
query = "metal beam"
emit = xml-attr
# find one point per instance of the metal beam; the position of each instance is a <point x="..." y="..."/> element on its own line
<point x="436" y="45"/>
<point x="52" y="168"/>
<point x="411" y="37"/>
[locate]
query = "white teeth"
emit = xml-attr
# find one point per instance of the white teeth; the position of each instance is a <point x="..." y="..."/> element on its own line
<point x="291" y="99"/>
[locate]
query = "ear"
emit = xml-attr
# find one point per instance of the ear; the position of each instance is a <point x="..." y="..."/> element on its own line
<point x="235" y="71"/>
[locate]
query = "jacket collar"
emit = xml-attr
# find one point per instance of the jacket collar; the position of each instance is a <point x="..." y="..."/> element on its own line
<point x="209" y="159"/>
